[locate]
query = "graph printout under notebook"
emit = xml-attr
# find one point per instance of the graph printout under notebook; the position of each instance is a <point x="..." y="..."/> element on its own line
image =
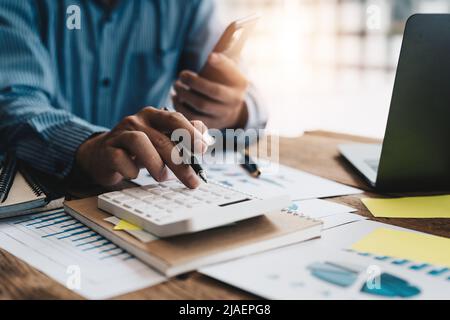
<point x="74" y="255"/>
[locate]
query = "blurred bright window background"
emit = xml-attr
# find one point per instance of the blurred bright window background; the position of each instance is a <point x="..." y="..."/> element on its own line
<point x="326" y="64"/>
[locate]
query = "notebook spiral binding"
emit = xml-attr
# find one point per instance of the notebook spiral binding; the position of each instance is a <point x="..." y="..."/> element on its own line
<point x="37" y="188"/>
<point x="7" y="175"/>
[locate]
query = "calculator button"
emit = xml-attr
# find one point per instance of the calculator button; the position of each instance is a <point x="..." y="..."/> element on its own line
<point x="169" y="184"/>
<point x="176" y="208"/>
<point x="180" y="199"/>
<point x="194" y="202"/>
<point x="149" y="198"/>
<point x="154" y="201"/>
<point x="103" y="197"/>
<point x="150" y="187"/>
<point x="137" y="204"/>
<point x="112" y="195"/>
<point x="149" y="208"/>
<point x="136" y="193"/>
<point x="157" y="192"/>
<point x="122" y="199"/>
<point x="170" y="195"/>
<point x="166" y="203"/>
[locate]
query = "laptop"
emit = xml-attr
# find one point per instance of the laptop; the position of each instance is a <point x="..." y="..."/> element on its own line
<point x="415" y="154"/>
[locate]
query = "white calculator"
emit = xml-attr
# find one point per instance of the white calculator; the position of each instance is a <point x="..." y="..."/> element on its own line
<point x="170" y="208"/>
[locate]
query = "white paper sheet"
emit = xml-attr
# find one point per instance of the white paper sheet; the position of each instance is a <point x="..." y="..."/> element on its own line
<point x="297" y="184"/>
<point x="286" y="273"/>
<point x="340" y="219"/>
<point x="63" y="248"/>
<point x="330" y="213"/>
<point x="317" y="208"/>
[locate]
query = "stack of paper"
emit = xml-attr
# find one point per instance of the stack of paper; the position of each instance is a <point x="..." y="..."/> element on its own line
<point x="327" y="268"/>
<point x="330" y="213"/>
<point x="74" y="255"/>
<point x="63" y="248"/>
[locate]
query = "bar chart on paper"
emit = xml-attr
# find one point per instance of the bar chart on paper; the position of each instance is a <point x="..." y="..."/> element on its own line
<point x="57" y="244"/>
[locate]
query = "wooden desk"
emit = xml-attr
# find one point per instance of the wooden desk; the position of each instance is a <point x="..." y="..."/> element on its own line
<point x="315" y="152"/>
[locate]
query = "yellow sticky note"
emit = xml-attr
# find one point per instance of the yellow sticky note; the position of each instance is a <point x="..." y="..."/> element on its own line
<point x="413" y="207"/>
<point x="124" y="225"/>
<point x="412" y="246"/>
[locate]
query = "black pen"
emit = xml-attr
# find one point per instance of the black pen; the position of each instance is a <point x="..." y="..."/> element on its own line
<point x="250" y="166"/>
<point x="194" y="163"/>
<point x="192" y="160"/>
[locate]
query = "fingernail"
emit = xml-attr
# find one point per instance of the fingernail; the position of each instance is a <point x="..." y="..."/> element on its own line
<point x="200" y="146"/>
<point x="209" y="140"/>
<point x="204" y="147"/>
<point x="193" y="181"/>
<point x="164" y="174"/>
<point x="200" y="143"/>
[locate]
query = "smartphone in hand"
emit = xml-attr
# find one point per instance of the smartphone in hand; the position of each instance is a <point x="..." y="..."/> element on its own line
<point x="231" y="43"/>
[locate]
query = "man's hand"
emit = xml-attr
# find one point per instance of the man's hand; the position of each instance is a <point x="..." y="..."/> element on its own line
<point x="140" y="141"/>
<point x="216" y="104"/>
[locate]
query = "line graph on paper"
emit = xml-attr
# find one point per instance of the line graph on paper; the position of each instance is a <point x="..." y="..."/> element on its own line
<point x="59" y="231"/>
<point x="53" y="241"/>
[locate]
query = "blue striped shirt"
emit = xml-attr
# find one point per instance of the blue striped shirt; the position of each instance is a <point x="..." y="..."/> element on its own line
<point x="59" y="85"/>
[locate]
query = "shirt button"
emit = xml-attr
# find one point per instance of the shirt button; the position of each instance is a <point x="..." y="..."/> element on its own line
<point x="106" y="82"/>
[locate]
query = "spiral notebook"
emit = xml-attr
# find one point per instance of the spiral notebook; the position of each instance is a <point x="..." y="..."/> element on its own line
<point x="21" y="193"/>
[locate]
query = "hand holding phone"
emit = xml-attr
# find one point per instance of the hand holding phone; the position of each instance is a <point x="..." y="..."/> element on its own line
<point x="216" y="95"/>
<point x="231" y="44"/>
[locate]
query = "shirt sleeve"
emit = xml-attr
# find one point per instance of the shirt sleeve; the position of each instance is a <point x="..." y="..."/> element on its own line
<point x="206" y="29"/>
<point x="41" y="133"/>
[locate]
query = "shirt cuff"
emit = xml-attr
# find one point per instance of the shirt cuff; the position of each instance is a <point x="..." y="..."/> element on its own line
<point x="257" y="115"/>
<point x="57" y="155"/>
